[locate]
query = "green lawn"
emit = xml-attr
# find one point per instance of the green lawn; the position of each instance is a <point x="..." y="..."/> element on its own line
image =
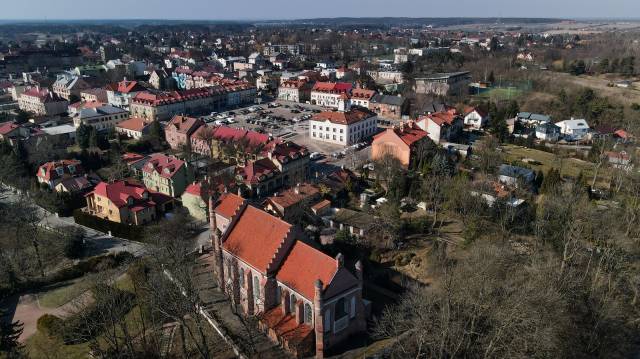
<point x="501" y="93"/>
<point x="40" y="346"/>
<point x="570" y="167"/>
<point x="64" y="292"/>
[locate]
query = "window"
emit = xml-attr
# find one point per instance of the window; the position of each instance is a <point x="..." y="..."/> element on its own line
<point x="327" y="320"/>
<point x="241" y="277"/>
<point x="341" y="138"/>
<point x="314" y="127"/>
<point x="334" y="137"/>
<point x="334" y="129"/>
<point x="256" y="287"/>
<point x="308" y="315"/>
<point x="341" y="308"/>
<point x="292" y="303"/>
<point x="341" y="130"/>
<point x="313" y="134"/>
<point x="278" y="295"/>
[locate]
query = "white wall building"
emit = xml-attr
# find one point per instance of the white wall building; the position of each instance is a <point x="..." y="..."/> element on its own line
<point x="100" y="118"/>
<point x="343" y="128"/>
<point x="573" y="129"/>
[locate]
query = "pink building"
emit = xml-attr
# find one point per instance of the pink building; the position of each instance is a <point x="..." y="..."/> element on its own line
<point x="180" y="129"/>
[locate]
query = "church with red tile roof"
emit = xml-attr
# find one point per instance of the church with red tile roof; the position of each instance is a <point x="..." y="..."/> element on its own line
<point x="304" y="299"/>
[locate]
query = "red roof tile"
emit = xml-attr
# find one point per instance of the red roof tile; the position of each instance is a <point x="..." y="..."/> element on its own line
<point x="120" y="192"/>
<point x="229" y="205"/>
<point x="134" y="124"/>
<point x="48" y="170"/>
<point x="344" y="118"/>
<point x="256" y="237"/>
<point x="304" y="266"/>
<point x="7" y="127"/>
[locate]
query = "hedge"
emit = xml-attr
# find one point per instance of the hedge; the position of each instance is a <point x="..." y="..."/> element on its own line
<point x="133" y="233"/>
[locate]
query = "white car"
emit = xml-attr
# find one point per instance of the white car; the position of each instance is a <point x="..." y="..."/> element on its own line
<point x="315" y="156"/>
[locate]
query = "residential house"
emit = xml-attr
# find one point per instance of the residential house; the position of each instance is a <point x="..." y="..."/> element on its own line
<point x="73" y="185"/>
<point x="574" y="129"/>
<point x="532" y="120"/>
<point x="391" y="107"/>
<point x="442" y="126"/>
<point x="94" y="95"/>
<point x="134" y="127"/>
<point x="166" y="174"/>
<point x="515" y="176"/>
<point x="401" y="142"/>
<point x="52" y="173"/>
<point x="120" y="94"/>
<point x="68" y="86"/>
<point x="292" y="203"/>
<point x="162" y="106"/>
<point x="548" y="132"/>
<point x="42" y="102"/>
<point x="343" y="128"/>
<point x="355" y="222"/>
<point x="101" y="118"/>
<point x="475" y="118"/>
<point x="127" y="202"/>
<point x="303" y="299"/>
<point x="180" y="129"/>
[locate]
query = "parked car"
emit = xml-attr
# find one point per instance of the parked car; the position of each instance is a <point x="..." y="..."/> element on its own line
<point x="315" y="156"/>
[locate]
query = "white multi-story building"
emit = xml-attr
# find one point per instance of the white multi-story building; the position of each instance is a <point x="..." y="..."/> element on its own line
<point x="100" y="117"/>
<point x="574" y="129"/>
<point x="343" y="128"/>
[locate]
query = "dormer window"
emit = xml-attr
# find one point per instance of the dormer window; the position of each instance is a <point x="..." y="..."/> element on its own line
<point x="43" y="172"/>
<point x="60" y="171"/>
<point x="130" y="201"/>
<point x="72" y="169"/>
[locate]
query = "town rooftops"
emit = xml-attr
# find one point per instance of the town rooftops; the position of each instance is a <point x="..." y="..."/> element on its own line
<point x="258" y="171"/>
<point x="126" y="87"/>
<point x="388" y="100"/>
<point x="363" y="94"/>
<point x="183" y="124"/>
<point x="134" y="124"/>
<point x="165" y="166"/>
<point x="516" y="172"/>
<point x="344" y="118"/>
<point x="43" y="94"/>
<point x="295" y="195"/>
<point x="442" y="118"/>
<point x="409" y="133"/>
<point x="533" y="117"/>
<point x="8" y="127"/>
<point x="256" y="238"/>
<point x="104" y="110"/>
<point x="333" y="87"/>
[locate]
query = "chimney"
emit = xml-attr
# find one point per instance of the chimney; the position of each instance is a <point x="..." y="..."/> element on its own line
<point x="340" y="260"/>
<point x="297" y="189"/>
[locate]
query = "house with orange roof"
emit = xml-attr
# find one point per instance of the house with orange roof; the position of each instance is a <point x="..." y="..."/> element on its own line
<point x="343" y="128"/>
<point x="134" y="127"/>
<point x="166" y="174"/>
<point x="304" y="300"/>
<point x="442" y="126"/>
<point x="400" y="142"/>
<point x="127" y="202"/>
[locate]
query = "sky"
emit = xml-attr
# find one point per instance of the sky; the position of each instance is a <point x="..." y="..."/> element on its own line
<point x="304" y="9"/>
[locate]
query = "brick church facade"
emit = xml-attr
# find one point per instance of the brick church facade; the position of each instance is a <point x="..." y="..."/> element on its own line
<point x="305" y="300"/>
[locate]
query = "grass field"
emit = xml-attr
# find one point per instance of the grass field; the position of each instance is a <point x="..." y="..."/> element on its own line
<point x="500" y="94"/>
<point x="569" y="167"/>
<point x="64" y="292"/>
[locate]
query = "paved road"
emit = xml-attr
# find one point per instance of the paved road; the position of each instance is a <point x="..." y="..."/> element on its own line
<point x="98" y="242"/>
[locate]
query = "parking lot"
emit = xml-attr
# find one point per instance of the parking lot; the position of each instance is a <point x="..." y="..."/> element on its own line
<point x="290" y="121"/>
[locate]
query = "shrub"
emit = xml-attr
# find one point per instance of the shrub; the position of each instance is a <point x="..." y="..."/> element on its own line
<point x="50" y="325"/>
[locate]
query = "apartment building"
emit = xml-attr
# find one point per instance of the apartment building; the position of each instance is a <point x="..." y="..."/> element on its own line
<point x="343" y="128"/>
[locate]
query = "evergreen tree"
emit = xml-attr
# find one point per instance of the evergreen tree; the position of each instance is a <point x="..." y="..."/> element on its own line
<point x="83" y="133"/>
<point x="9" y="334"/>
